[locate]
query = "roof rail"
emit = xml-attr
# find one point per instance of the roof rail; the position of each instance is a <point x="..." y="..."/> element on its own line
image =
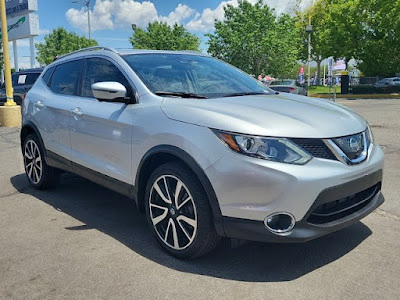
<point x="95" y="48"/>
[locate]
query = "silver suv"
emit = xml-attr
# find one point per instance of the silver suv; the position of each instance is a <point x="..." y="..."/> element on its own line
<point x="204" y="149"/>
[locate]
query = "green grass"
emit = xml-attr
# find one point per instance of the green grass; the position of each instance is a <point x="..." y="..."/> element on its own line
<point x="323" y="90"/>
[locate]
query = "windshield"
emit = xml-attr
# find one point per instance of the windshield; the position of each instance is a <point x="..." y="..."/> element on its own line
<point x="192" y="75"/>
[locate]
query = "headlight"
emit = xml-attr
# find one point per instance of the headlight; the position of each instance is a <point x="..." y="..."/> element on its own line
<point x="273" y="149"/>
<point x="369" y="136"/>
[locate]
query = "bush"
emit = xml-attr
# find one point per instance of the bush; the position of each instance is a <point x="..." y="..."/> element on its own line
<point x="370" y="89"/>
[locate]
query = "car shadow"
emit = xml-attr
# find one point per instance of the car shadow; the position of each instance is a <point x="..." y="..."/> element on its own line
<point x="117" y="216"/>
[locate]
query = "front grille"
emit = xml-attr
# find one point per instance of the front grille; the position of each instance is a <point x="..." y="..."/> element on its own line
<point x="316" y="148"/>
<point x="335" y="210"/>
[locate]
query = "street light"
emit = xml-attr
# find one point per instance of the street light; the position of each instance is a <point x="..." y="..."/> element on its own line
<point x="87" y="4"/>
<point x="309" y="30"/>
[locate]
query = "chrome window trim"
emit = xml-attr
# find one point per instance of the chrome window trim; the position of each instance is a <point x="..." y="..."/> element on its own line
<point x="341" y="156"/>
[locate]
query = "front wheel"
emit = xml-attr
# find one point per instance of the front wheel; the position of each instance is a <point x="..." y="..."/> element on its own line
<point x="179" y="213"/>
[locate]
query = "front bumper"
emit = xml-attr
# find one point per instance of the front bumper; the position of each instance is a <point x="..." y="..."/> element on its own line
<point x="250" y="189"/>
<point x="304" y="230"/>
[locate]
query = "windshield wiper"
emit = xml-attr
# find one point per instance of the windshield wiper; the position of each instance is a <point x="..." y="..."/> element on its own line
<point x="245" y="94"/>
<point x="180" y="94"/>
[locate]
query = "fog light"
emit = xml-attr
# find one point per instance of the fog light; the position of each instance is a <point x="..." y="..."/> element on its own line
<point x="280" y="223"/>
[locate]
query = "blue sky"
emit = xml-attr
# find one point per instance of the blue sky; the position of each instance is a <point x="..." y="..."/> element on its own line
<point x="112" y="19"/>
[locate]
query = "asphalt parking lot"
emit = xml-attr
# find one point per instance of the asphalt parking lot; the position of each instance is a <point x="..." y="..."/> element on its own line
<point x="81" y="241"/>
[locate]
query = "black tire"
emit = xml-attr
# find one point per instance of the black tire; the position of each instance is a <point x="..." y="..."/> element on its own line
<point x="192" y="241"/>
<point x="18" y="100"/>
<point x="40" y="175"/>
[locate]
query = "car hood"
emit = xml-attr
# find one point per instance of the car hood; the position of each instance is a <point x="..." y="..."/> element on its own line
<point x="282" y="115"/>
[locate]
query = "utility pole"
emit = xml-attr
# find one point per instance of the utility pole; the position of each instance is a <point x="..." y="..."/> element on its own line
<point x="6" y="56"/>
<point x="87" y="4"/>
<point x="309" y="29"/>
<point x="10" y="113"/>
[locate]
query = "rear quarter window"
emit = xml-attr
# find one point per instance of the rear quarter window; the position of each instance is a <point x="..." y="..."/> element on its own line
<point x="46" y="77"/>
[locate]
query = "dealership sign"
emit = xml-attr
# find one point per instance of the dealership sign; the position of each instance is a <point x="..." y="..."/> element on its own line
<point x="20" y="7"/>
<point x="22" y="27"/>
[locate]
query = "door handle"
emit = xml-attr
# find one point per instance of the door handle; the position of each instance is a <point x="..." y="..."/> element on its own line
<point x="39" y="104"/>
<point x="77" y="111"/>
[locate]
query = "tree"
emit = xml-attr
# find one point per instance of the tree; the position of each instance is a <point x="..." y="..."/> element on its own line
<point x="320" y="47"/>
<point x="366" y="30"/>
<point x="60" y="42"/>
<point x="380" y="39"/>
<point x="254" y="39"/>
<point x="343" y="17"/>
<point x="161" y="36"/>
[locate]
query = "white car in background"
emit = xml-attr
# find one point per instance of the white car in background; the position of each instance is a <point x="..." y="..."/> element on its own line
<point x="288" y="86"/>
<point x="387" y="82"/>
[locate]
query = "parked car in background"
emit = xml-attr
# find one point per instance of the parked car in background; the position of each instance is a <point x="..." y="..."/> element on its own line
<point x="22" y="82"/>
<point x="387" y="82"/>
<point x="288" y="86"/>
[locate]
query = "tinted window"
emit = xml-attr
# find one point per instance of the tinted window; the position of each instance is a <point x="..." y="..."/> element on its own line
<point x="65" y="77"/>
<point x="14" y="79"/>
<point x="47" y="75"/>
<point x="21" y="80"/>
<point x="31" y="78"/>
<point x="100" y="70"/>
<point x="283" y="82"/>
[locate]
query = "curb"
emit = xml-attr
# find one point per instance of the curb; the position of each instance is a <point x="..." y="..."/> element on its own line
<point x="361" y="96"/>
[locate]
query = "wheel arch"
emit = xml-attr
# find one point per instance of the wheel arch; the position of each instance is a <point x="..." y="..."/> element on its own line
<point x="30" y="128"/>
<point x="167" y="153"/>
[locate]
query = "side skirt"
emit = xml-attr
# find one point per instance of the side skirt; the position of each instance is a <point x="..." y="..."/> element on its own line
<point x="59" y="162"/>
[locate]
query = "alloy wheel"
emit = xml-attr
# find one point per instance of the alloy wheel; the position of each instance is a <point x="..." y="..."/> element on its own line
<point x="173" y="212"/>
<point x="33" y="162"/>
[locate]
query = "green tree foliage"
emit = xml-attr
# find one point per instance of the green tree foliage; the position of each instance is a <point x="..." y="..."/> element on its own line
<point x="60" y="42"/>
<point x="366" y="30"/>
<point x="343" y="18"/>
<point x="320" y="48"/>
<point x="161" y="36"/>
<point x="254" y="39"/>
<point x="379" y="51"/>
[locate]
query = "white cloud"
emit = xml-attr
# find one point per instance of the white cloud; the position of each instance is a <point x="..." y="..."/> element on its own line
<point x="44" y="31"/>
<point x="181" y="13"/>
<point x="100" y="16"/>
<point x="110" y="14"/>
<point x="205" y="21"/>
<point x="286" y="6"/>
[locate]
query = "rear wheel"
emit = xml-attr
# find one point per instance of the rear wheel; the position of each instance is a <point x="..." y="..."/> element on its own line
<point x="40" y="175"/>
<point x="179" y="213"/>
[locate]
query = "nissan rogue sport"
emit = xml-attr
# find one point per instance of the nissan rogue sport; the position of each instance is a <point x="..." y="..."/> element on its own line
<point x="204" y="149"/>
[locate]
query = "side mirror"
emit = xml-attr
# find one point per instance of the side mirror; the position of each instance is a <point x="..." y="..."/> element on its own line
<point x="109" y="91"/>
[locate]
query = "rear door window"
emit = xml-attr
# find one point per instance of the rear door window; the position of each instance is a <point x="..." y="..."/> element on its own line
<point x="66" y="77"/>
